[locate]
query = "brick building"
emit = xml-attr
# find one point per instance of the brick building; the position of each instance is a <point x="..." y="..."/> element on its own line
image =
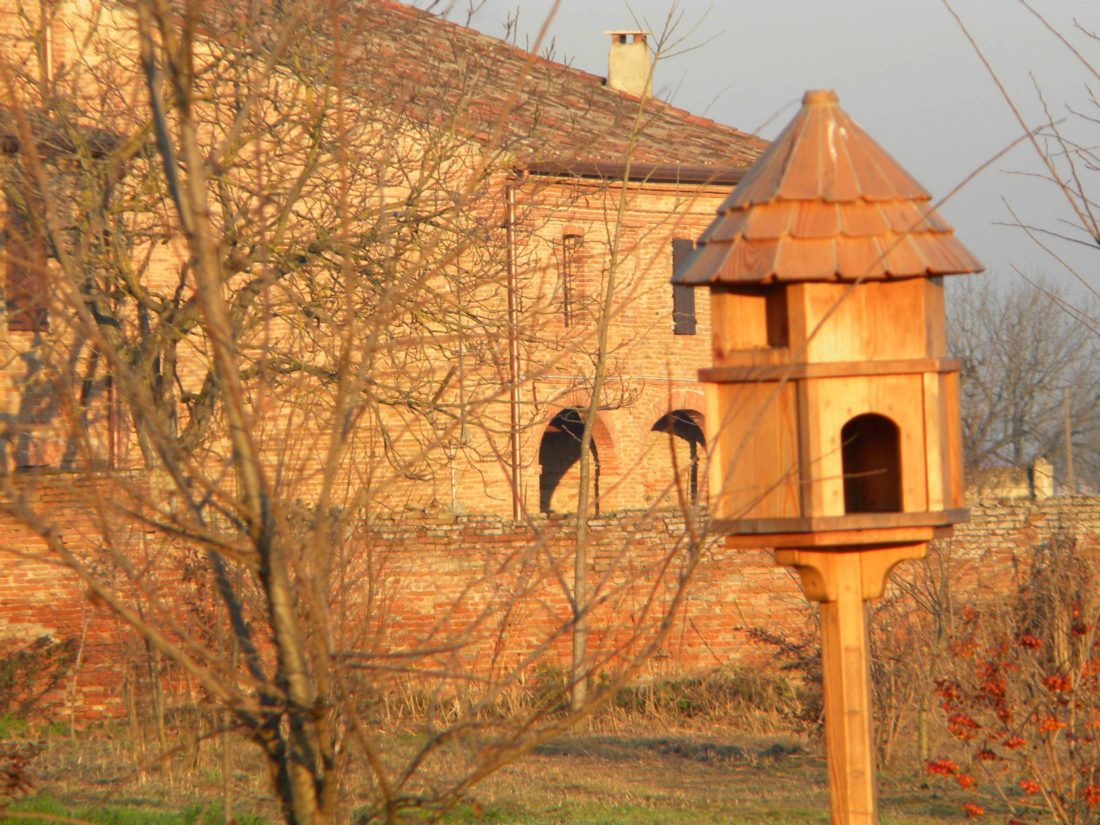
<point x="429" y="243"/>
<point x="565" y="181"/>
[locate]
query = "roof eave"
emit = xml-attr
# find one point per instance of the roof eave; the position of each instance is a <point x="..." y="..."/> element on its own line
<point x="695" y="174"/>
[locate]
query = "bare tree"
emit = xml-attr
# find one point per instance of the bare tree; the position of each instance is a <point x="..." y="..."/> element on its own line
<point x="1022" y="352"/>
<point x="1063" y="347"/>
<point x="273" y="302"/>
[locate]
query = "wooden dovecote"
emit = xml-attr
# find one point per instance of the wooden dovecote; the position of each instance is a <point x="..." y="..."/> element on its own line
<point x="833" y="405"/>
<point x="832" y="414"/>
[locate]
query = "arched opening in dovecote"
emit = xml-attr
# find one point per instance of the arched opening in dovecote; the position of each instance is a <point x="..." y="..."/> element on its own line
<point x="677" y="450"/>
<point x="560" y="465"/>
<point x="871" y="456"/>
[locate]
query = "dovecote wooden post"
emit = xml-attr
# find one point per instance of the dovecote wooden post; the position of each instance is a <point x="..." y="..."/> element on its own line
<point x="832" y="406"/>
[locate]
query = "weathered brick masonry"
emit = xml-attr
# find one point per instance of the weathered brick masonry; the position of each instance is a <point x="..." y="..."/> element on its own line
<point x="991" y="550"/>
<point x="492" y="589"/>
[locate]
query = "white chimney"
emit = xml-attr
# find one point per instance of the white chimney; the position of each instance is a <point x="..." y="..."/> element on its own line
<point x="628" y="66"/>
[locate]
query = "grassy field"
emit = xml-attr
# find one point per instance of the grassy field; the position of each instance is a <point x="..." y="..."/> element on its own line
<point x="669" y="780"/>
<point x="592" y="778"/>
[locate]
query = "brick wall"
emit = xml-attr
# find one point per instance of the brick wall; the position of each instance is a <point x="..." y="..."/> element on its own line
<point x="489" y="593"/>
<point x="996" y="543"/>
<point x="41" y="599"/>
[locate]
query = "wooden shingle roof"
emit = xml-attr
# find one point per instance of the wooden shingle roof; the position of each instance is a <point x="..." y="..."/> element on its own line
<point x="540" y="110"/>
<point x="825" y="202"/>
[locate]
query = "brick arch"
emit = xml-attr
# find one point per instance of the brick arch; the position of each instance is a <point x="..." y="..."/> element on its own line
<point x="679" y="413"/>
<point x="684" y="428"/>
<point x="605" y="434"/>
<point x="653" y="410"/>
<point x="559" y="456"/>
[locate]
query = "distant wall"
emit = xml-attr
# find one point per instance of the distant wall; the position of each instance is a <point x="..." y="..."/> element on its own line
<point x="989" y="549"/>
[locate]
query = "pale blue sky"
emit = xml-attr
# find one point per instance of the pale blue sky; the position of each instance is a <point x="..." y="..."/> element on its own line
<point x="904" y="71"/>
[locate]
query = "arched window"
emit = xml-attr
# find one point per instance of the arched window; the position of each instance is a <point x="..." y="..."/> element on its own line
<point x="871" y="456"/>
<point x="689" y="446"/>
<point x="560" y="458"/>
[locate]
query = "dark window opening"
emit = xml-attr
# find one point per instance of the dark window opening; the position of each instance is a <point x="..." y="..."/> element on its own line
<point x="570" y="270"/>
<point x="683" y="296"/>
<point x="688" y="441"/>
<point x="871" y="457"/>
<point x="100" y="411"/>
<point x="25" y="283"/>
<point x="776" y="317"/>
<point x="559" y="457"/>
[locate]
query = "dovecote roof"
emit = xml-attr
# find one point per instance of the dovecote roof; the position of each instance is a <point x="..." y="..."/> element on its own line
<point x="825" y="202"/>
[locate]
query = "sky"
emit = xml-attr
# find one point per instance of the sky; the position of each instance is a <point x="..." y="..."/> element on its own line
<point x="903" y="69"/>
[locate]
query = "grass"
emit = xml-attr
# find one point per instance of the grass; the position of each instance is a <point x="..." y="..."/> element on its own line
<point x="676" y="779"/>
<point x="11" y="725"/>
<point x="731" y="748"/>
<point x="589" y="778"/>
<point x="43" y="807"/>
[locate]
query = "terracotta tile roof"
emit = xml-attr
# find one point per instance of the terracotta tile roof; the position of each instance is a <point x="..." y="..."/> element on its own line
<point x="825" y="202"/>
<point x="545" y="111"/>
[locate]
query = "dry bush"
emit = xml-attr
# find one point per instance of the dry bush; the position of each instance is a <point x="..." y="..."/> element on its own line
<point x="748" y="699"/>
<point x="1020" y="693"/>
<point x="30" y="670"/>
<point x="15" y="760"/>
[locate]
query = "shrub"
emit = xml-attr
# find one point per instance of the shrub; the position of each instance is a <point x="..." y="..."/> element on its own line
<point x="30" y="670"/>
<point x="1022" y="701"/>
<point x="738" y="695"/>
<point x="15" y="759"/>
